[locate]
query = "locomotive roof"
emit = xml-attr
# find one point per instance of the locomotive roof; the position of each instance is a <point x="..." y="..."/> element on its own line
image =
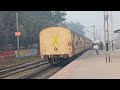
<point x="71" y="31"/>
<point x="79" y="34"/>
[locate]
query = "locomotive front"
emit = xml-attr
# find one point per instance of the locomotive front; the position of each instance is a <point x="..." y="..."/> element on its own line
<point x="55" y="43"/>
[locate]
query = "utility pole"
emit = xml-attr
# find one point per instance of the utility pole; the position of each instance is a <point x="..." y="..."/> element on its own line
<point x="106" y="35"/>
<point x="94" y="32"/>
<point x="111" y="18"/>
<point x="100" y="34"/>
<point x="17" y="31"/>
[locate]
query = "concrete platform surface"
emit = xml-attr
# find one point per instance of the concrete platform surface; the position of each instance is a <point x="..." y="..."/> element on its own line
<point x="92" y="66"/>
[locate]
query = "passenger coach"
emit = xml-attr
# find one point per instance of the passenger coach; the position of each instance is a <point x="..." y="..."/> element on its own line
<point x="58" y="44"/>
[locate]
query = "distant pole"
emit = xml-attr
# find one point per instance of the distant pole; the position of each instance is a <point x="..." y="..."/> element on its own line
<point x="100" y="34"/>
<point x="17" y="31"/>
<point x="96" y="35"/>
<point x="94" y="32"/>
<point x="108" y="38"/>
<point x="112" y="30"/>
<point x="106" y="35"/>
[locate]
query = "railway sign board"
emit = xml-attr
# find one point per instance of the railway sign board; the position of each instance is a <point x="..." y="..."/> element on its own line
<point x="17" y="34"/>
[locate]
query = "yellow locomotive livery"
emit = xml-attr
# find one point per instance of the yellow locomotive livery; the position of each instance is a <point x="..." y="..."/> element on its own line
<point x="57" y="43"/>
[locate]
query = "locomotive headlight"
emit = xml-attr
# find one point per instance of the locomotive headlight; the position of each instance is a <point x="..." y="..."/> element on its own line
<point x="55" y="48"/>
<point x="44" y="49"/>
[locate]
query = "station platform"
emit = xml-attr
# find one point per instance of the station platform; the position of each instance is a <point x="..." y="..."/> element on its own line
<point x="92" y="66"/>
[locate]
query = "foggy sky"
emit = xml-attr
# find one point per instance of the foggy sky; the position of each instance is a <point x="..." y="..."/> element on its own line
<point x="89" y="18"/>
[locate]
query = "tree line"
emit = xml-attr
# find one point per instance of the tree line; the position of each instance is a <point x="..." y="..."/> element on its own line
<point x="30" y="24"/>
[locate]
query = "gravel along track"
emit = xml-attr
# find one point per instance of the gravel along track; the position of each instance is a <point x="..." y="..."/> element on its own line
<point x="20" y="70"/>
<point x="45" y="73"/>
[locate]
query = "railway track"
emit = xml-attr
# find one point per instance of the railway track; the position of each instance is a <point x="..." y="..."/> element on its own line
<point x="41" y="69"/>
<point x="10" y="71"/>
<point x="45" y="73"/>
<point x="34" y="70"/>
